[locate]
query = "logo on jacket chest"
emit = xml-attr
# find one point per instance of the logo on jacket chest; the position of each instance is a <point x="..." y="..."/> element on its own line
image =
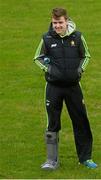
<point x="53" y="45"/>
<point x="72" y="43"/>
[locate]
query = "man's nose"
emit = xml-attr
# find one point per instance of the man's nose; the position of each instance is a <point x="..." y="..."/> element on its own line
<point x="57" y="25"/>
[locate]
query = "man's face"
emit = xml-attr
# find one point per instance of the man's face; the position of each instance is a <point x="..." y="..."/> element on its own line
<point x="59" y="25"/>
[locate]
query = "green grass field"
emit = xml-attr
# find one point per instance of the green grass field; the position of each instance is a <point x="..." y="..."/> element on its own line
<point x="22" y="111"/>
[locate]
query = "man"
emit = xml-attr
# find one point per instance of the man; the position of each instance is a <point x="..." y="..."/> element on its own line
<point x="63" y="55"/>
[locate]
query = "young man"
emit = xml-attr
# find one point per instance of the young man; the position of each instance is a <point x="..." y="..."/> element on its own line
<point x="63" y="55"/>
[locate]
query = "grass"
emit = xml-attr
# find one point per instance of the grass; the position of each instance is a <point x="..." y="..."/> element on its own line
<point x="22" y="112"/>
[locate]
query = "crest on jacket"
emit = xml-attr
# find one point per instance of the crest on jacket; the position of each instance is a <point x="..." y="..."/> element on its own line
<point x="72" y="43"/>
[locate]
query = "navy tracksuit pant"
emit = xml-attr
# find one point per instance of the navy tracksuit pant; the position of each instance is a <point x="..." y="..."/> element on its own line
<point x="73" y="98"/>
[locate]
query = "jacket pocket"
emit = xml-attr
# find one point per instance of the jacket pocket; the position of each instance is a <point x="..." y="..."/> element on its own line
<point x="72" y="76"/>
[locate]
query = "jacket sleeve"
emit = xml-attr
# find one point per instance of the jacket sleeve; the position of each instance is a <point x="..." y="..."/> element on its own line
<point x="40" y="54"/>
<point x="84" y="54"/>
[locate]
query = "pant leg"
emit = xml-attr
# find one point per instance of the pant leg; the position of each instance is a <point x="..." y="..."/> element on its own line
<point x="82" y="132"/>
<point x="54" y="104"/>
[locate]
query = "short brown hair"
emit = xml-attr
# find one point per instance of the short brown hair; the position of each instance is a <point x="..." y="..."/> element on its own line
<point x="58" y="12"/>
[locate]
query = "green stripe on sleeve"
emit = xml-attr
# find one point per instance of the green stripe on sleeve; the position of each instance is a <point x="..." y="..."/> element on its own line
<point x="87" y="54"/>
<point x="44" y="68"/>
<point x="37" y="53"/>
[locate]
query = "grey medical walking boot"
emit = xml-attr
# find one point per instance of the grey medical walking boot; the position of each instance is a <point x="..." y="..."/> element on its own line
<point x="52" y="139"/>
<point x="50" y="165"/>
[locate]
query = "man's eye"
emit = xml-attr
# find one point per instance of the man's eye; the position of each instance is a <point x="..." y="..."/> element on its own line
<point x="57" y="22"/>
<point x="54" y="22"/>
<point x="60" y="22"/>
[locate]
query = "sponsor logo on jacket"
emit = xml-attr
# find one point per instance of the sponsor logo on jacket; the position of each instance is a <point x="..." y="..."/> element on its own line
<point x="72" y="43"/>
<point x="53" y="45"/>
